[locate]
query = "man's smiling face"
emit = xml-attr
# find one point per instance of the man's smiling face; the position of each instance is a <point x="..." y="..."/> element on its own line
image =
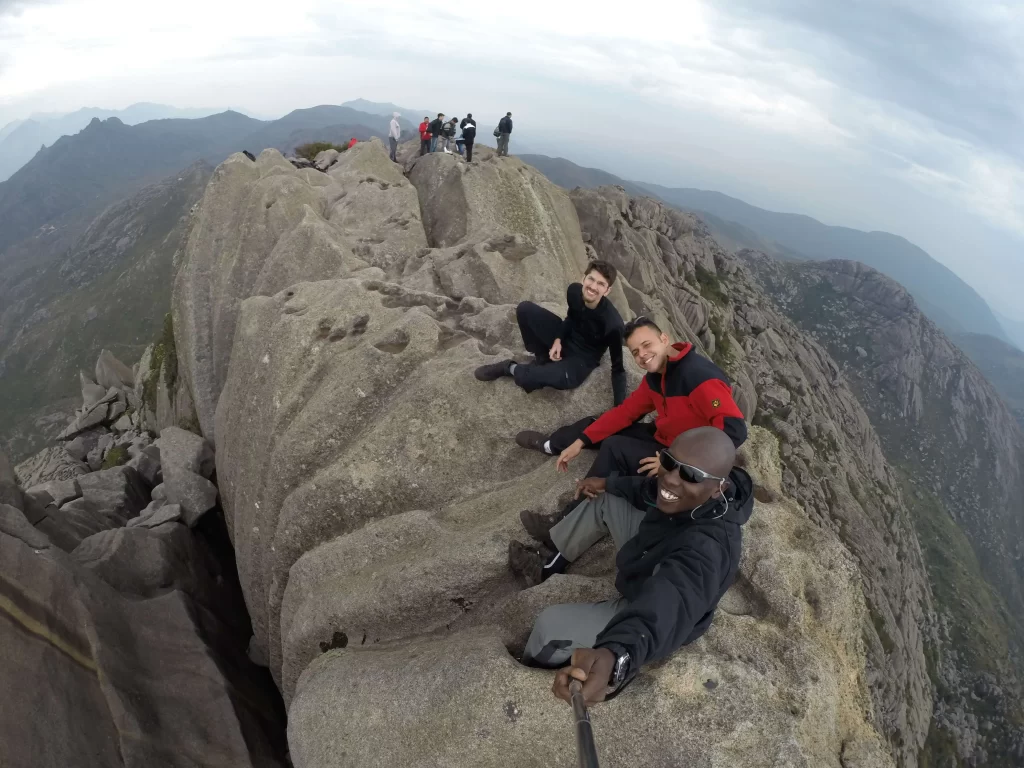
<point x="649" y="348"/>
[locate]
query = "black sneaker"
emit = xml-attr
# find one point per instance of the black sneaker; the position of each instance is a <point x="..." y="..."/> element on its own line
<point x="527" y="563"/>
<point x="493" y="371"/>
<point x="539" y="526"/>
<point x="531" y="440"/>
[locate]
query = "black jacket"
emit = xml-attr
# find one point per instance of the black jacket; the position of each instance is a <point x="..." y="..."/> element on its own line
<point x="437" y="126"/>
<point x="587" y="333"/>
<point x="505" y="124"/>
<point x="674" y="571"/>
<point x="468" y="126"/>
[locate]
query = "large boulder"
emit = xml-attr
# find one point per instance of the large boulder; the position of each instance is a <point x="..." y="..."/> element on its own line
<point x="10" y="493"/>
<point x="772" y="683"/>
<point x="371" y="485"/>
<point x="111" y="372"/>
<point x="241" y="244"/>
<point x="95" y="679"/>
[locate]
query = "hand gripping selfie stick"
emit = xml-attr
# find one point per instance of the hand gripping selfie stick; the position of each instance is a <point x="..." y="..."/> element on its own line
<point x="586" y="752"/>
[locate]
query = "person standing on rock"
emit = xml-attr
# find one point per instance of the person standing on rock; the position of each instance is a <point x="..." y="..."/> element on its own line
<point x="425" y="136"/>
<point x="678" y="539"/>
<point x="436" y="131"/>
<point x="394" y="134"/>
<point x="468" y="126"/>
<point x="504" y="131"/>
<point x="566" y="351"/>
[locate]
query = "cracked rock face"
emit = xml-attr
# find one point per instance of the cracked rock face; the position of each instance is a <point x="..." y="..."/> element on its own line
<point x="371" y="485"/>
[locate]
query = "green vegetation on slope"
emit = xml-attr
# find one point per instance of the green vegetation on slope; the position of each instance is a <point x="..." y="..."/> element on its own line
<point x="314" y="148"/>
<point x="981" y="628"/>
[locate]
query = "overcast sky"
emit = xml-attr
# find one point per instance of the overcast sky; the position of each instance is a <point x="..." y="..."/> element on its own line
<point x="902" y="115"/>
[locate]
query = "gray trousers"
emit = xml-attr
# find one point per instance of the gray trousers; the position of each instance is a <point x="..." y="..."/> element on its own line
<point x="503" y="143"/>
<point x="561" y="629"/>
<point x="393" y="143"/>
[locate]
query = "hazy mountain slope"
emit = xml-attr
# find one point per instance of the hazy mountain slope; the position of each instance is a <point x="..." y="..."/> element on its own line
<point x="947" y="299"/>
<point x="1002" y="364"/>
<point x="19" y="141"/>
<point x="386" y="109"/>
<point x="1014" y="329"/>
<point x="110" y="290"/>
<point x="569" y="175"/>
<point x="959" y="454"/>
<point x="278" y="132"/>
<point x="106" y="161"/>
<point x="934" y="284"/>
<point x="52" y="273"/>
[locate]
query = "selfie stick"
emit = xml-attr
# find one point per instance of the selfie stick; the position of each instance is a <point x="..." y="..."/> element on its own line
<point x="586" y="752"/>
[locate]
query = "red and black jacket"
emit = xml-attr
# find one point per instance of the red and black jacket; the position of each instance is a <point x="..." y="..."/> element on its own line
<point x="692" y="392"/>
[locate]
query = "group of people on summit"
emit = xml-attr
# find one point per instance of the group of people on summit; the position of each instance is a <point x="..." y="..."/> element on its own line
<point x="666" y="491"/>
<point x="438" y="135"/>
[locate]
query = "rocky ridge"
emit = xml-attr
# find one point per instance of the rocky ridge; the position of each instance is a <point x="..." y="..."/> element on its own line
<point x="120" y="615"/>
<point x="960" y="452"/>
<point x="327" y="324"/>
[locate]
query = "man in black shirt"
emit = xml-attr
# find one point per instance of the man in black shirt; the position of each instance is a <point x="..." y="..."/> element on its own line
<point x="566" y="351"/>
<point x="468" y="126"/>
<point x="436" y="129"/>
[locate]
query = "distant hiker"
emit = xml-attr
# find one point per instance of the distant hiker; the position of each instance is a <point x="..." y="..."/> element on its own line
<point x="504" y="131"/>
<point x="394" y="134"/>
<point x="678" y="540"/>
<point x="448" y="133"/>
<point x="425" y="136"/>
<point x="468" y="126"/>
<point x="352" y="142"/>
<point x="566" y="351"/>
<point x="436" y="130"/>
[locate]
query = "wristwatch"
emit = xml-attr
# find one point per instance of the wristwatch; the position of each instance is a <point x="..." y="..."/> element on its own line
<point x="620" y="670"/>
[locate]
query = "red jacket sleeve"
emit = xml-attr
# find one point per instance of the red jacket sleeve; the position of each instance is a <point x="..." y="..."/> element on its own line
<point x="638" y="404"/>
<point x="713" y="400"/>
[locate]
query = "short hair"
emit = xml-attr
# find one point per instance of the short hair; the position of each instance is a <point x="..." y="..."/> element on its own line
<point x="508" y="114"/>
<point x="607" y="270"/>
<point x="440" y="114"/>
<point x="640" y="322"/>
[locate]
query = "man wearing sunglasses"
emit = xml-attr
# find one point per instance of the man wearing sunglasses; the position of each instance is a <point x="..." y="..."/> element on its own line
<point x="678" y="539"/>
<point x="685" y="389"/>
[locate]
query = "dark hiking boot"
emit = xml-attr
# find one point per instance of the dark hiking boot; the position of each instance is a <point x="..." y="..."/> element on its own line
<point x="528" y="563"/>
<point x="493" y="371"/>
<point x="532" y="440"/>
<point x="539" y="526"/>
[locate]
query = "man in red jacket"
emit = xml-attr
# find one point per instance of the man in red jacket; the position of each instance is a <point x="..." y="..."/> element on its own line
<point x="685" y="389"/>
<point x="425" y="136"/>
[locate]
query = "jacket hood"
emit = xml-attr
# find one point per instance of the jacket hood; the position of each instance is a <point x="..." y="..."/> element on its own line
<point x="741" y="502"/>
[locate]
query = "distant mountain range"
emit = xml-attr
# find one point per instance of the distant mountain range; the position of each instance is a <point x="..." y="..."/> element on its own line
<point x="88" y="230"/>
<point x="21" y="139"/>
<point x="945" y="298"/>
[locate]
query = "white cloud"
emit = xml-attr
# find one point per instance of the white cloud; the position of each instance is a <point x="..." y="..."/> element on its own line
<point x="780" y="90"/>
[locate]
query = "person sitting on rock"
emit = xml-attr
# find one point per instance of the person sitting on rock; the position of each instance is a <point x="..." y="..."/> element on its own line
<point x="566" y="351"/>
<point x="685" y="389"/>
<point x="678" y="539"/>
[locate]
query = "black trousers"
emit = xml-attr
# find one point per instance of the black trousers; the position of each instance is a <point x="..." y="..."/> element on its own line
<point x="622" y="452"/>
<point x="424" y="146"/>
<point x="469" y="150"/>
<point x="539" y="329"/>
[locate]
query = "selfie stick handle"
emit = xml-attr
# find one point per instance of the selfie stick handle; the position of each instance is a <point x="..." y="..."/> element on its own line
<point x="586" y="751"/>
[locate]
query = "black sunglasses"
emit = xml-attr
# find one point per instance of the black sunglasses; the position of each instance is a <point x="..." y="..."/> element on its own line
<point x="688" y="473"/>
